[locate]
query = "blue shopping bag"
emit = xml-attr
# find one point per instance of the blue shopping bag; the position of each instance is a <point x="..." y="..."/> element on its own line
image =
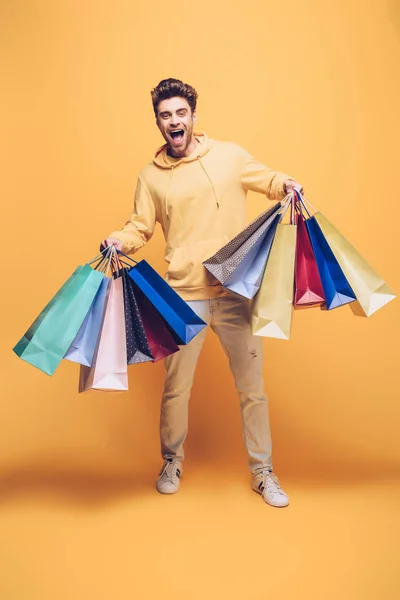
<point x="83" y="347"/>
<point x="246" y="278"/>
<point x="182" y="321"/>
<point x="337" y="289"/>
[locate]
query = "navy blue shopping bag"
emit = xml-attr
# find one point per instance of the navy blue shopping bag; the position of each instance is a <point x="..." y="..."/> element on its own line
<point x="181" y="320"/>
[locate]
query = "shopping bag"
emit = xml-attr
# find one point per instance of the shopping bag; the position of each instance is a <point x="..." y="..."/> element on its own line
<point x="182" y="321"/>
<point x="228" y="258"/>
<point x="137" y="345"/>
<point x="337" y="290"/>
<point x="109" y="370"/>
<point x="308" y="286"/>
<point x="49" y="337"/>
<point x="273" y="305"/>
<point x="246" y="278"/>
<point x="83" y="347"/>
<point x="159" y="337"/>
<point x="371" y="291"/>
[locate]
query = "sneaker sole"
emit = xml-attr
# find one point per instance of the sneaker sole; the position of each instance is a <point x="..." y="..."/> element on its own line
<point x="269" y="503"/>
<point x="167" y="493"/>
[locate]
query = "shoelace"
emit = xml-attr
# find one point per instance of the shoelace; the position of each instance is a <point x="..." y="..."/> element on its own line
<point x="169" y="469"/>
<point x="271" y="482"/>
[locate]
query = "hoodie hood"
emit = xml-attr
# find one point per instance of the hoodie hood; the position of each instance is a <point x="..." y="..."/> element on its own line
<point x="164" y="161"/>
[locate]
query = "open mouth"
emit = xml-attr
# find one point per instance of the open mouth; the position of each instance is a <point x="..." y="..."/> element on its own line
<point x="177" y="136"/>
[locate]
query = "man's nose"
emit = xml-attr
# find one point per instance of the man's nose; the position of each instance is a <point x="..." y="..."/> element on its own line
<point x="174" y="120"/>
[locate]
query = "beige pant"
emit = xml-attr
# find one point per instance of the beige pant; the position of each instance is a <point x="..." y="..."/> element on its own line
<point x="228" y="317"/>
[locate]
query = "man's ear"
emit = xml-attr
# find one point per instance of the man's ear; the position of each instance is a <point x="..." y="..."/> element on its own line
<point x="195" y="116"/>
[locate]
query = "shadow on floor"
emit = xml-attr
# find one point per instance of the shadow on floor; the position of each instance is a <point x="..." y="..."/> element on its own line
<point x="93" y="488"/>
<point x="82" y="487"/>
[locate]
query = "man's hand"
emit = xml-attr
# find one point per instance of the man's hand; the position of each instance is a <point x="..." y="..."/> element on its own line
<point x="111" y="242"/>
<point x="290" y="184"/>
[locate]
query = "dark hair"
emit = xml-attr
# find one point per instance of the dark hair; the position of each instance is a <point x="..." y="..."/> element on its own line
<point x="170" y="88"/>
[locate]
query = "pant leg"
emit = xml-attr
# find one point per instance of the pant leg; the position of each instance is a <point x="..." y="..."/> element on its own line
<point x="180" y="368"/>
<point x="231" y="322"/>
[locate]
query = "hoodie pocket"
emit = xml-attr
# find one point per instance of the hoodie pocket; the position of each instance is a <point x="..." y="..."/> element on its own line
<point x="186" y="269"/>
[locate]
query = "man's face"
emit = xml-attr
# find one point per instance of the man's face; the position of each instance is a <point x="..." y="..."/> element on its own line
<point x="175" y="120"/>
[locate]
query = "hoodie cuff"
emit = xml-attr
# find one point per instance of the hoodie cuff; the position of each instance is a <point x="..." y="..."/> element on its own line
<point x="130" y="244"/>
<point x="276" y="188"/>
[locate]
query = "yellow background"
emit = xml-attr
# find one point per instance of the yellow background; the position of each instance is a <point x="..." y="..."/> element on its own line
<point x="310" y="88"/>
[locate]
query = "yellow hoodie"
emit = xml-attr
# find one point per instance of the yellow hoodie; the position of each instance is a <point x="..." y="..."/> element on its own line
<point x="199" y="201"/>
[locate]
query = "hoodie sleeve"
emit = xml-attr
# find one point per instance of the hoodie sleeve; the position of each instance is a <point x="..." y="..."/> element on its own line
<point x="257" y="177"/>
<point x="140" y="226"/>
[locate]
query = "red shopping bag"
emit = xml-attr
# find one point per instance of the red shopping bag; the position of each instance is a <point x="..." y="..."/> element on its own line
<point x="308" y="287"/>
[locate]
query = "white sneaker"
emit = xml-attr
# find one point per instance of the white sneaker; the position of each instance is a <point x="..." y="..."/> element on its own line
<point x="267" y="484"/>
<point x="169" y="477"/>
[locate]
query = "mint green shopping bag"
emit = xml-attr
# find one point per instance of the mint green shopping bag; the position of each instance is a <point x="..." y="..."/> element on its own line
<point x="51" y="334"/>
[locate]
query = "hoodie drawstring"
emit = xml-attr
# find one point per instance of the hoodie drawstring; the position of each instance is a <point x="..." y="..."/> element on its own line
<point x="209" y="179"/>
<point x="166" y="193"/>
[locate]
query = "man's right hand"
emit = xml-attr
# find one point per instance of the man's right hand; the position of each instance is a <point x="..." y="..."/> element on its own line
<point x="111" y="242"/>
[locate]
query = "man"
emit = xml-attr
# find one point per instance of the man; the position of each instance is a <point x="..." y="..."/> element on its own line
<point x="196" y="189"/>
